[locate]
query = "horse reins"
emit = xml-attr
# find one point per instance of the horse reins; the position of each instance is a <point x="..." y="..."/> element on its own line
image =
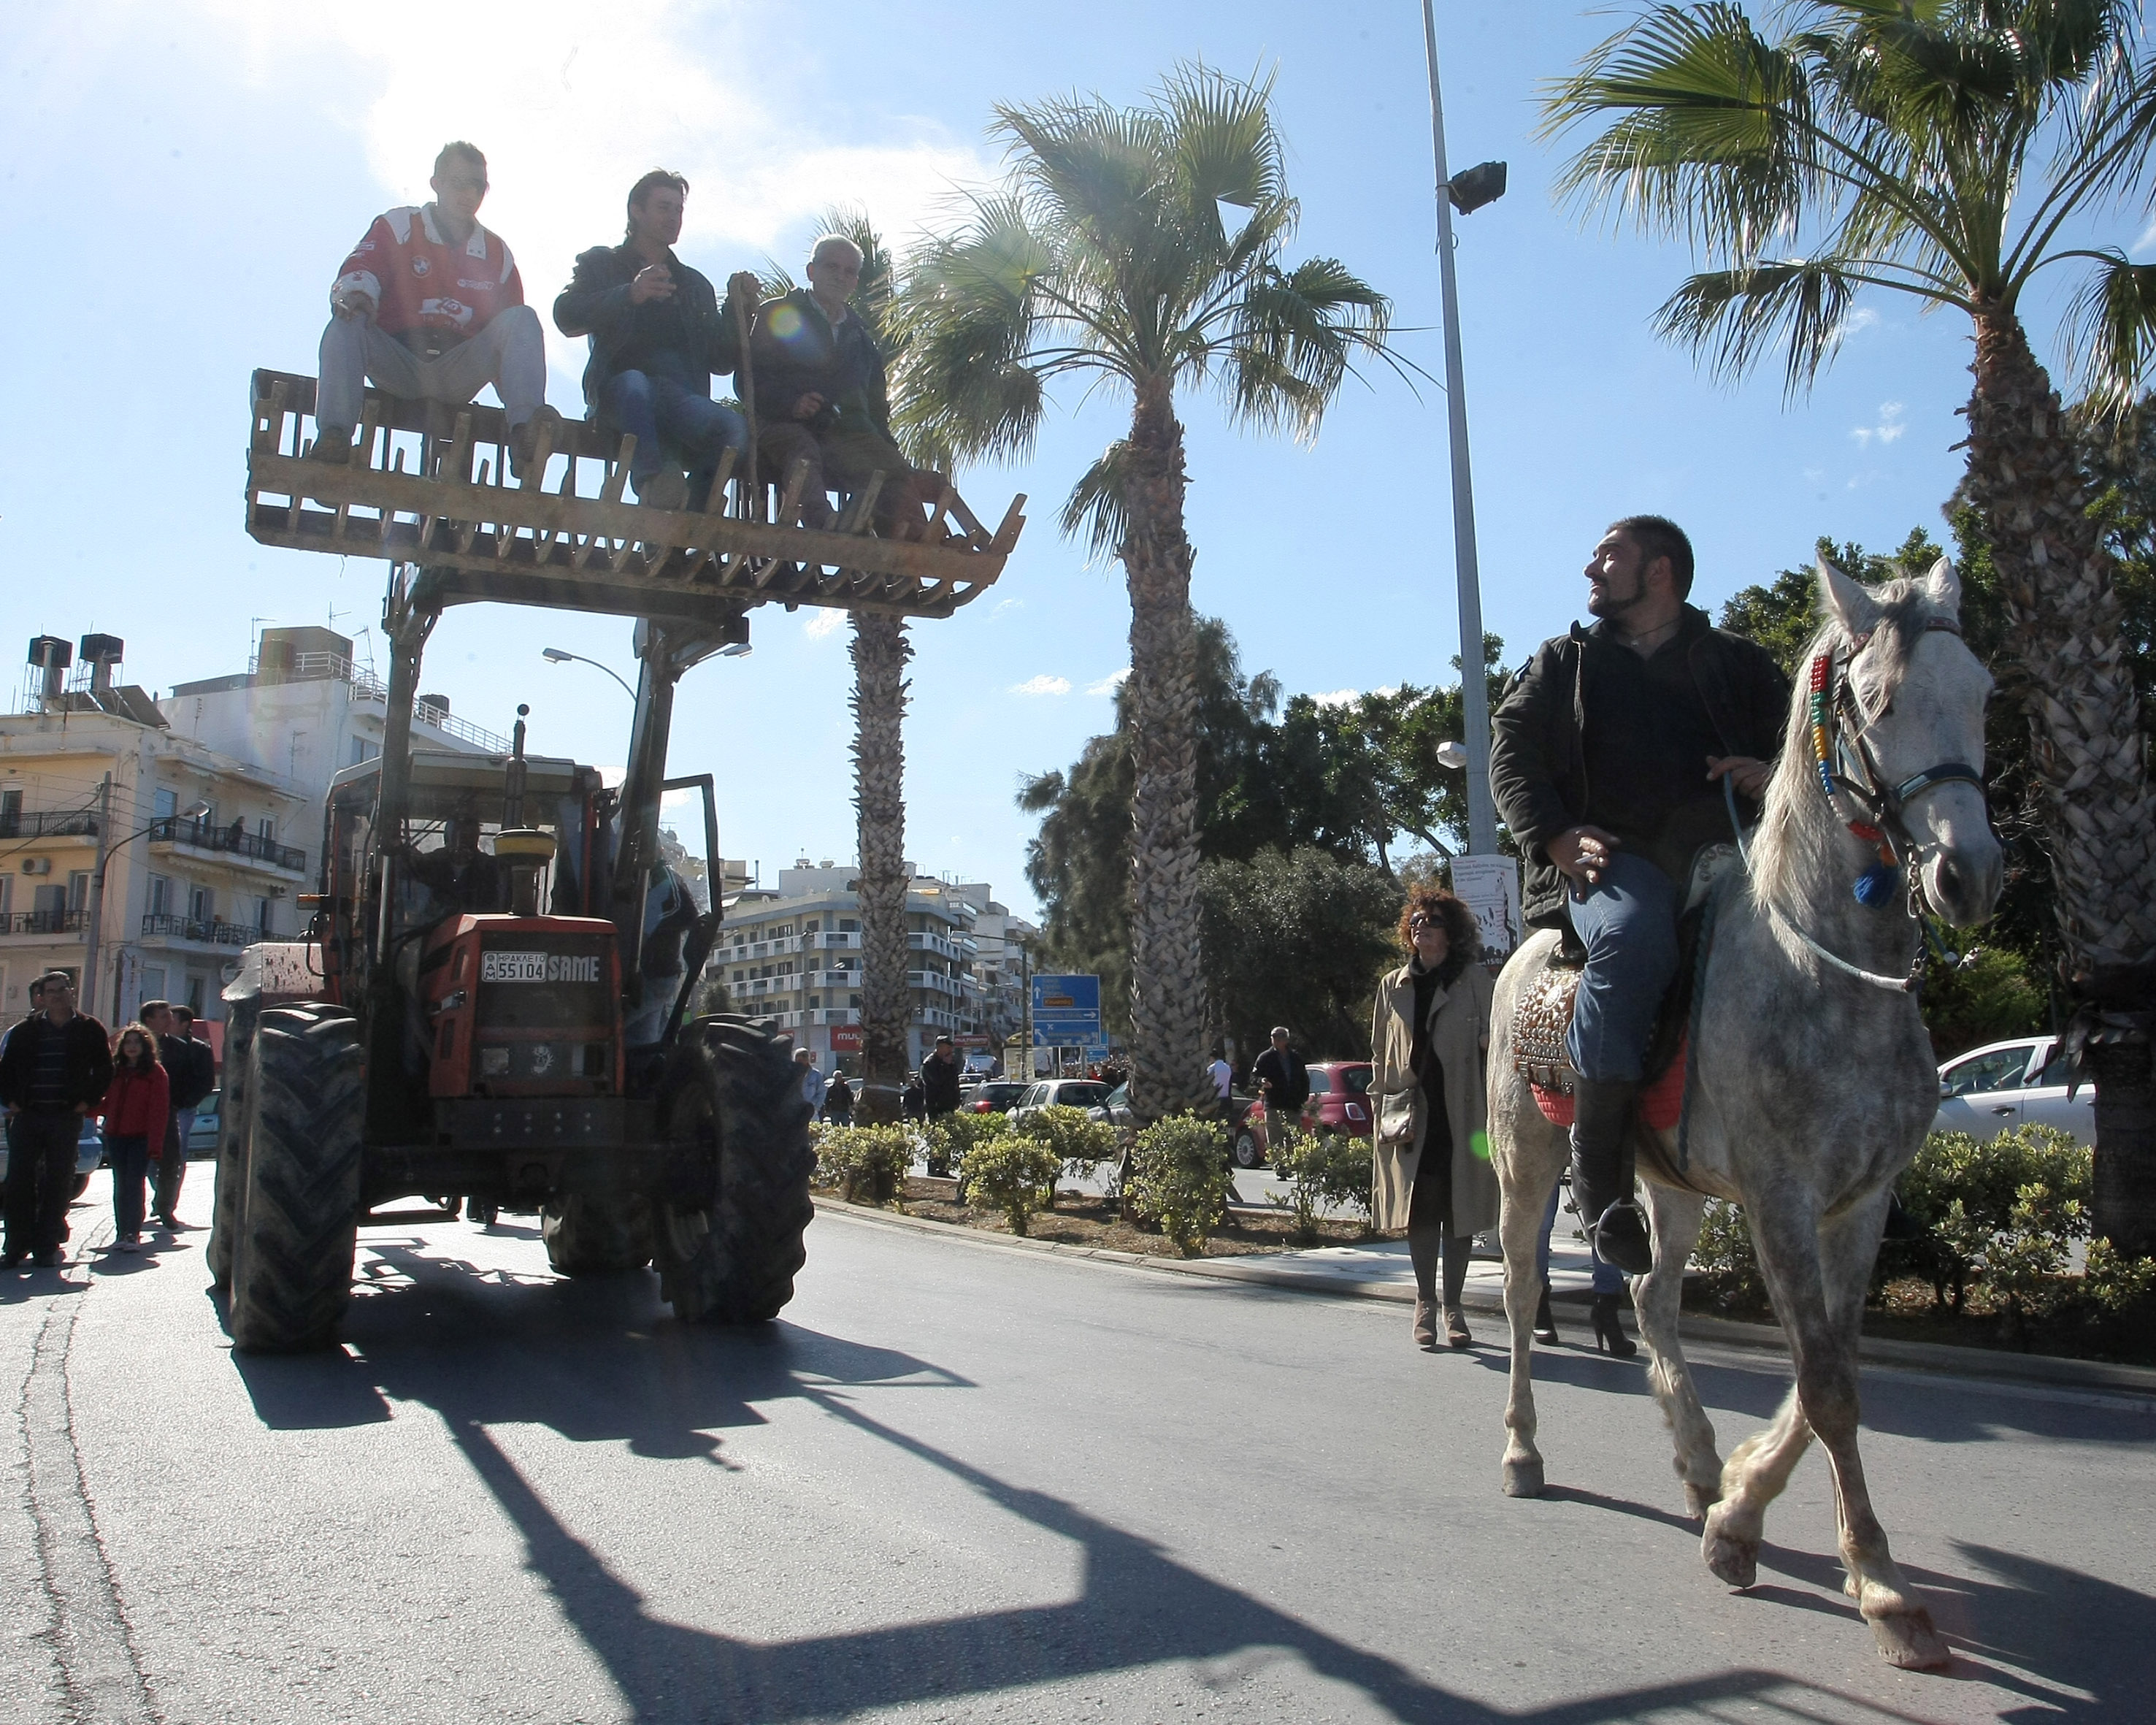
<point x="1846" y="766"/>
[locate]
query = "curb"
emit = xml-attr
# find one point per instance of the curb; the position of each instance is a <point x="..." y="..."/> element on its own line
<point x="1977" y="1362"/>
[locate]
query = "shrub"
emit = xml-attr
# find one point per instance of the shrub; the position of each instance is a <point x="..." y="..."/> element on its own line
<point x="1969" y="1194"/>
<point x="1323" y="1170"/>
<point x="1179" y="1178"/>
<point x="866" y="1163"/>
<point x="953" y="1135"/>
<point x="1011" y="1171"/>
<point x="1073" y="1136"/>
<point x="1724" y="1255"/>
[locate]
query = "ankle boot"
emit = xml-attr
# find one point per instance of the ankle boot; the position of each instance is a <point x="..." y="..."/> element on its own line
<point x="1545" y="1323"/>
<point x="1608" y="1332"/>
<point x="1602" y="1174"/>
<point x="1425" y="1323"/>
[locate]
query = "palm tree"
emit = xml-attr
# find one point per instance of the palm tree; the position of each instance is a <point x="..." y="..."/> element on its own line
<point x="879" y="649"/>
<point x="1105" y="253"/>
<point x="1940" y="150"/>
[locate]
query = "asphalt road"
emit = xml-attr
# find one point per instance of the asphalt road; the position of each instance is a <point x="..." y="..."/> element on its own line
<point x="957" y="1482"/>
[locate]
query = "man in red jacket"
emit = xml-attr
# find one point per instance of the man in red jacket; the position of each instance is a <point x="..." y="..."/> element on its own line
<point x="430" y="306"/>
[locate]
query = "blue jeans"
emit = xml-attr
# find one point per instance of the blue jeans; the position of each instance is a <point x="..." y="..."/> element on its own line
<point x="130" y="1158"/>
<point x="1608" y="1278"/>
<point x="1628" y="922"/>
<point x="665" y="415"/>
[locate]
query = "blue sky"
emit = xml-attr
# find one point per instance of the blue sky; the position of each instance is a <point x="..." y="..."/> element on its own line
<point x="182" y="180"/>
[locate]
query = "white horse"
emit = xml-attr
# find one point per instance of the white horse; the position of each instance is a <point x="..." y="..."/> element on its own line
<point x="1813" y="1083"/>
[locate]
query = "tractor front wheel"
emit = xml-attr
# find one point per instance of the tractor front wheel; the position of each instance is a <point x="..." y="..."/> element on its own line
<point x="588" y="1234"/>
<point x="299" y="1220"/>
<point x="732" y="1100"/>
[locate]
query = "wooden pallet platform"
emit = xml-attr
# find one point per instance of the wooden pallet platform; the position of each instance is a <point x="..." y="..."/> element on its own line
<point x="426" y="485"/>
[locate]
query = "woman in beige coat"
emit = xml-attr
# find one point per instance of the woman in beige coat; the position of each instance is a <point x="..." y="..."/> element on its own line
<point x="1428" y="1037"/>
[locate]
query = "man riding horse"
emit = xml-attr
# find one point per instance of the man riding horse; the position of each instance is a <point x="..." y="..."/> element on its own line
<point x="1606" y="758"/>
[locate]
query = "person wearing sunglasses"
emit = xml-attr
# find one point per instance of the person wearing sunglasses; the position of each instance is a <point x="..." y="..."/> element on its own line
<point x="430" y="306"/>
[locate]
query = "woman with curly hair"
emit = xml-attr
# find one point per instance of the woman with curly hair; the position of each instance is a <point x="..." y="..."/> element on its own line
<point x="1431" y="1152"/>
<point x="136" y="1112"/>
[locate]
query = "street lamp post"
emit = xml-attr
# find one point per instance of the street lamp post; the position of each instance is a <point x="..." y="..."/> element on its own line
<point x="557" y="656"/>
<point x="1477" y="186"/>
<point x="94" y="909"/>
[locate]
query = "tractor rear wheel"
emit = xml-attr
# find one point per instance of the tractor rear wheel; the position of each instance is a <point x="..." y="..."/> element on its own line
<point x="590" y="1234"/>
<point x="732" y="1096"/>
<point x="232" y="1139"/>
<point x="299" y="1220"/>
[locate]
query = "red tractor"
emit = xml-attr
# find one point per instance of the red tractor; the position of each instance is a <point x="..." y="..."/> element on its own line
<point x="492" y="1002"/>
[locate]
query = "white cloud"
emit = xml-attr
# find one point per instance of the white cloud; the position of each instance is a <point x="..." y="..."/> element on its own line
<point x="824" y="621"/>
<point x="1007" y="604"/>
<point x="1042" y="685"/>
<point x="1855" y="324"/>
<point x="1890" y="427"/>
<point x="1109" y="684"/>
<point x="571" y="103"/>
<point x="2146" y="239"/>
<point x="1338" y="697"/>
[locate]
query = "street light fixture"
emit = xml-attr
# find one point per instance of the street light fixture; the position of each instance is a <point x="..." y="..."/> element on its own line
<point x="557" y="656"/>
<point x="1468" y="191"/>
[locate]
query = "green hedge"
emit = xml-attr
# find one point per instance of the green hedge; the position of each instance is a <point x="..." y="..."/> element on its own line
<point x="866" y="1163"/>
<point x="1179" y="1177"/>
<point x="1323" y="1169"/>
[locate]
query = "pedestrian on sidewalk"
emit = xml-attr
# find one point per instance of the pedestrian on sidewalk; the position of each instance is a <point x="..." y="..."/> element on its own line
<point x="813" y="1086"/>
<point x="1432" y="1173"/>
<point x="137" y="1112"/>
<point x="54" y="1070"/>
<point x="838" y="1101"/>
<point x="1284" y="1082"/>
<point x="191" y="1074"/>
<point x="1608" y="1287"/>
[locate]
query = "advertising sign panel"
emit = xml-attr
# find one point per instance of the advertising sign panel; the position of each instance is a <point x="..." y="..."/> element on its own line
<point x="1490" y="887"/>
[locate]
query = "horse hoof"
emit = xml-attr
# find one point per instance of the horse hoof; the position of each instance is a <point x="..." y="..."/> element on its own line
<point x="1907" y="1640"/>
<point x="1523" y="1479"/>
<point x="1700" y="1499"/>
<point x="1735" y="1562"/>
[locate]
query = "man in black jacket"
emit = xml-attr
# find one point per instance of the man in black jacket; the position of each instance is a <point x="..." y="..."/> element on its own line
<point x="1606" y="760"/>
<point x="657" y="335"/>
<point x="823" y="397"/>
<point x="1284" y="1081"/>
<point x="56" y="1068"/>
<point x="191" y="1074"/>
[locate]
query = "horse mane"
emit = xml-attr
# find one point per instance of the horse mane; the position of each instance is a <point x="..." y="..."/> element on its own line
<point x="1799" y="833"/>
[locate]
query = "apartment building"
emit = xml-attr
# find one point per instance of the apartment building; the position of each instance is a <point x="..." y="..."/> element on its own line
<point x="1003" y="963"/>
<point x="196" y="847"/>
<point x="304" y="710"/>
<point x="793" y="953"/>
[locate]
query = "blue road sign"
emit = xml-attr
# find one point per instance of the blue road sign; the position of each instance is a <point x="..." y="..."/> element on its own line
<point x="1066" y="1012"/>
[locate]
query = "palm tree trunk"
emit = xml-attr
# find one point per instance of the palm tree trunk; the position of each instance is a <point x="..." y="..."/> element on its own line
<point x="880" y="651"/>
<point x="2099" y="816"/>
<point x="1167" y="989"/>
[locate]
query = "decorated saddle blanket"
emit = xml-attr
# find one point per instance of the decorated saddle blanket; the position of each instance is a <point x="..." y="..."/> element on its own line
<point x="1543" y="1015"/>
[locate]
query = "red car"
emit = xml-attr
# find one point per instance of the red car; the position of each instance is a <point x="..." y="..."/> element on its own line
<point x="1339" y="1098"/>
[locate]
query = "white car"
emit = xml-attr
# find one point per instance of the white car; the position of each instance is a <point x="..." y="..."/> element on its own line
<point x="1088" y="1093"/>
<point x="2020" y="1083"/>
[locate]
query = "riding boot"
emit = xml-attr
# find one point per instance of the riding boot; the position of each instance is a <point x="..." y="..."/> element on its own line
<point x="1602" y="1173"/>
<point x="1545" y="1321"/>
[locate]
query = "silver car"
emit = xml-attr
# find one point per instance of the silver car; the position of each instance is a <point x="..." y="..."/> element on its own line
<point x="89" y="1154"/>
<point x="2014" y="1083"/>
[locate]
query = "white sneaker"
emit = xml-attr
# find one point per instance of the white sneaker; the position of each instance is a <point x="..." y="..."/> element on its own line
<point x="130" y="1244"/>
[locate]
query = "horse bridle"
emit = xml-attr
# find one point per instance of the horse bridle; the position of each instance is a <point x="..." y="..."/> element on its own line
<point x="1847" y="767"/>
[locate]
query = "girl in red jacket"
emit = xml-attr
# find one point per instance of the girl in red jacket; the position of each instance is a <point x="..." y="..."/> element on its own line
<point x="135" y="1111"/>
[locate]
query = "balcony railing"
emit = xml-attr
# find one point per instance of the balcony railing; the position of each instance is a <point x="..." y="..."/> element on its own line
<point x="236" y="840"/>
<point x="188" y="928"/>
<point x="47" y="823"/>
<point x="366" y="685"/>
<point x="42" y="922"/>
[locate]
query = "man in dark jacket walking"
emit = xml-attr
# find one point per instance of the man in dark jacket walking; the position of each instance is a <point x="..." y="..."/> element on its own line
<point x="822" y="397"/>
<point x="190" y="1074"/>
<point x="1606" y="760"/>
<point x="1284" y="1081"/>
<point x="659" y="334"/>
<point x="55" y="1069"/>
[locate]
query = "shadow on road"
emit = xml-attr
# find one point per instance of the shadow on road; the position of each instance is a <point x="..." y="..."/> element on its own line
<point x="599" y="1359"/>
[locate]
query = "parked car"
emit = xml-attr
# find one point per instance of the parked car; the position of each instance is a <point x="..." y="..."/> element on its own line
<point x="1088" y="1093"/>
<point x="1247" y="1116"/>
<point x="2014" y="1083"/>
<point x="1339" y="1098"/>
<point x="88" y="1155"/>
<point x="995" y="1096"/>
<point x="202" y="1141"/>
<point x="1118" y="1105"/>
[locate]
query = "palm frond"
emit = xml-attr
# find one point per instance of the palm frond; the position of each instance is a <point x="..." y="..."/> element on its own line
<point x="1098" y="507"/>
<point x="1735" y="315"/>
<point x="2112" y="330"/>
<point x="1296" y="338"/>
